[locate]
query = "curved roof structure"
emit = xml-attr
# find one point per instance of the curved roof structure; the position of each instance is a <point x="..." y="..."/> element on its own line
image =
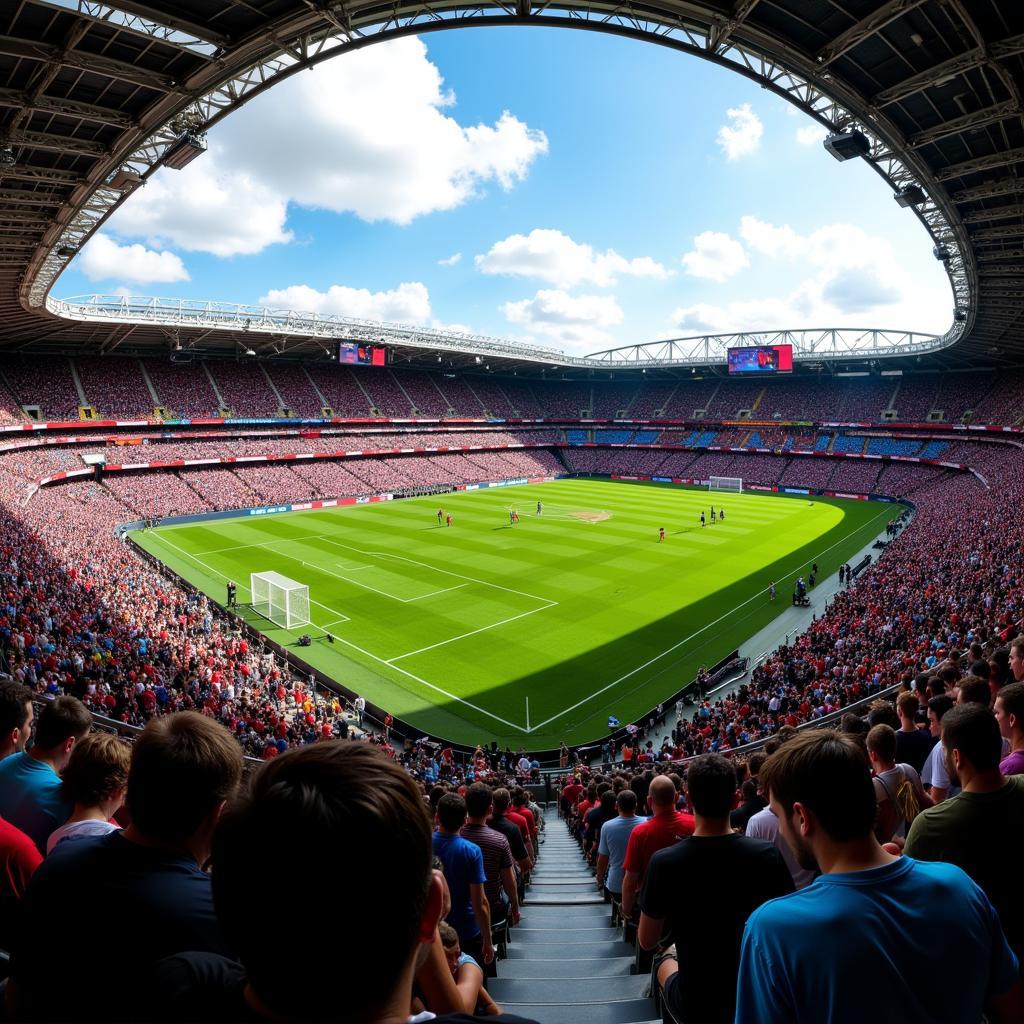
<point x="95" y="97"/>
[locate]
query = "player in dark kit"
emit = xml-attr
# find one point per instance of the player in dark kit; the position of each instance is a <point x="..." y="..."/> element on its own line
<point x="539" y="508"/>
<point x="232" y="594"/>
<point x="712" y="513"/>
<point x="721" y="515"/>
<point x="440" y="513"/>
<point x="702" y="523"/>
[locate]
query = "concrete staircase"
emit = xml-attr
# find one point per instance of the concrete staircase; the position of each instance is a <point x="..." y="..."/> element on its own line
<point x="566" y="964"/>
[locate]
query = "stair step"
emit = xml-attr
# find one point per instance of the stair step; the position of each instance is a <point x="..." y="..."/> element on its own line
<point x="608" y="967"/>
<point x="540" y="916"/>
<point x="566" y="950"/>
<point x="563" y="897"/>
<point x="631" y="1011"/>
<point x="571" y="990"/>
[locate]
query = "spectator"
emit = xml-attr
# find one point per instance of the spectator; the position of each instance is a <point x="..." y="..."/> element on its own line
<point x="913" y="743"/>
<point x="15" y="718"/>
<point x="95" y="781"/>
<point x="765" y="825"/>
<point x="665" y="827"/>
<point x="751" y="803"/>
<point x="520" y="803"/>
<point x="19" y="859"/>
<point x="467" y="975"/>
<point x="304" y="808"/>
<point x="497" y="855"/>
<point x="611" y="849"/>
<point x="880" y="923"/>
<point x="597" y="817"/>
<point x="975" y="829"/>
<point x="183" y="770"/>
<point x="737" y="875"/>
<point x="500" y="822"/>
<point x="30" y="789"/>
<point x="1010" y="716"/>
<point x="898" y="790"/>
<point x="934" y="775"/>
<point x="1017" y="659"/>
<point x="464" y="871"/>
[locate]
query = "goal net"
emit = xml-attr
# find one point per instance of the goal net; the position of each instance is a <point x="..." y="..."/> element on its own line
<point x="725" y="483"/>
<point x="283" y="601"/>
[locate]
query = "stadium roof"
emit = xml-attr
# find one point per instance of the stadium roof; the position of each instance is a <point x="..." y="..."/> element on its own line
<point x="95" y="97"/>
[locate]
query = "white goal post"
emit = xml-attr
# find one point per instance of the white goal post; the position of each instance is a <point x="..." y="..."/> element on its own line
<point x="726" y="483"/>
<point x="283" y="601"/>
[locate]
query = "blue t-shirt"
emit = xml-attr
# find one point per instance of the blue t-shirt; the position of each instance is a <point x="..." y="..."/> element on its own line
<point x="463" y="866"/>
<point x="30" y="797"/>
<point x="826" y="952"/>
<point x="612" y="844"/>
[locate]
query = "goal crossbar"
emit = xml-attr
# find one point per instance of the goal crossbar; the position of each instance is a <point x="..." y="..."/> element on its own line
<point x="283" y="601"/>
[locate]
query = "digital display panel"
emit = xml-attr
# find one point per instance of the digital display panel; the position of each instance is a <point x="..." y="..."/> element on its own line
<point x="354" y="353"/>
<point x="761" y="359"/>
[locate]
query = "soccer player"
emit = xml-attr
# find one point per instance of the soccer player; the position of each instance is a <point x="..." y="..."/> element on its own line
<point x="661" y="534"/>
<point x="539" y="508"/>
<point x="232" y="594"/>
<point x="511" y="517"/>
<point x="448" y="519"/>
<point x="440" y="513"/>
<point x="721" y="515"/>
<point x="771" y="591"/>
<point x="712" y="513"/>
<point x="515" y="515"/>
<point x="702" y="523"/>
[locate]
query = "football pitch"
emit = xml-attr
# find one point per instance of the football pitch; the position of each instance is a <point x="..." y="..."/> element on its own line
<point x="535" y="632"/>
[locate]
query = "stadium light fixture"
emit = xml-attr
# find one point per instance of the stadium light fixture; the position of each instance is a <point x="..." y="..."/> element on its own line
<point x="942" y="253"/>
<point x="847" y="145"/>
<point x="910" y="195"/>
<point x="7" y="156"/>
<point x="185" y="149"/>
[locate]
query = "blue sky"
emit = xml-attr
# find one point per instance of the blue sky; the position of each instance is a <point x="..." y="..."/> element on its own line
<point x="585" y="180"/>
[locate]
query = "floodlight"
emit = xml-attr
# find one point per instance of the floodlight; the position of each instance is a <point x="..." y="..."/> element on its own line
<point x="185" y="149"/>
<point x="910" y="195"/>
<point x="847" y="145"/>
<point x="942" y="253"/>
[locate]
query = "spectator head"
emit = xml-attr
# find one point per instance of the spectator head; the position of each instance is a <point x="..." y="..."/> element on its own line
<point x="662" y="794"/>
<point x="1016" y="662"/>
<point x="981" y="668"/>
<point x="451" y="812"/>
<point x="972" y="743"/>
<point x="1010" y="711"/>
<point x="882" y="712"/>
<point x="184" y="768"/>
<point x="15" y="718"/>
<point x="748" y="791"/>
<point x="937" y="707"/>
<point x="519" y="796"/>
<point x="999" y="666"/>
<point x="478" y="801"/>
<point x="501" y="799"/>
<point x="907" y="706"/>
<point x="450" y="941"/>
<point x="787" y="732"/>
<point x="974" y="691"/>
<point x="756" y="762"/>
<point x="881" y="743"/>
<point x="436" y="792"/>
<point x="309" y="806"/>
<point x="61" y="724"/>
<point x="711" y="786"/>
<point x="608" y="802"/>
<point x="853" y="725"/>
<point x="97" y="773"/>
<point x="821" y="791"/>
<point x="626" y="802"/>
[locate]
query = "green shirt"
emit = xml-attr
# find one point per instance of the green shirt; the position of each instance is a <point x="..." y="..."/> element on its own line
<point x="982" y="833"/>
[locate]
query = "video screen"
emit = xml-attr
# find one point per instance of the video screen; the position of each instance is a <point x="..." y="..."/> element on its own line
<point x="353" y="353"/>
<point x="761" y="359"/>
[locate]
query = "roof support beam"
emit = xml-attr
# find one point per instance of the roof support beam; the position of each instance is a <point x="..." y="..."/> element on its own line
<point x="57" y="143"/>
<point x="191" y="28"/>
<point x="71" y="108"/>
<point x="995" y="257"/>
<point x="991" y="190"/>
<point x="864" y="28"/>
<point x="983" y="163"/>
<point x="117" y="69"/>
<point x="720" y="33"/>
<point x="977" y="119"/>
<point x="46" y="175"/>
<point x="997" y="213"/>
<point x="997" y="234"/>
<point x="22" y="197"/>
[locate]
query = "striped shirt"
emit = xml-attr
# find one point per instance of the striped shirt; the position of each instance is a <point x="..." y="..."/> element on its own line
<point x="497" y="855"/>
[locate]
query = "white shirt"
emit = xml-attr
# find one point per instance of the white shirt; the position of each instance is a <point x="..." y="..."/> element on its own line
<point x="765" y="825"/>
<point x="72" y="831"/>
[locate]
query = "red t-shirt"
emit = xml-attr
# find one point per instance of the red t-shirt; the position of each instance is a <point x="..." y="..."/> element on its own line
<point x="19" y="859"/>
<point x="664" y="829"/>
<point x="520" y="822"/>
<point x="531" y="822"/>
<point x="570" y="792"/>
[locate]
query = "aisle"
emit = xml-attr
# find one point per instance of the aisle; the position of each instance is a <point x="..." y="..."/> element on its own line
<point x="566" y="964"/>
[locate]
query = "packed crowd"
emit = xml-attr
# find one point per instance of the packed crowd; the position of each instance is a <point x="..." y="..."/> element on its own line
<point x="120" y="387"/>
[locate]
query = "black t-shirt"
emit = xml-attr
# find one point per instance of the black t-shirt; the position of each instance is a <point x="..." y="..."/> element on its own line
<point x="745" y="811"/>
<point x="203" y="988"/>
<point x="704" y="888"/>
<point x="596" y="817"/>
<point x="98" y="916"/>
<point x="913" y="747"/>
<point x="510" y="830"/>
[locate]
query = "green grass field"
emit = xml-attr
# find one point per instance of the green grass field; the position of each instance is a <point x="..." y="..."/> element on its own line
<point x="580" y="611"/>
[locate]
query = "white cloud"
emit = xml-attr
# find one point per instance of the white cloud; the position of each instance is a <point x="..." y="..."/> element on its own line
<point x="552" y="256"/>
<point x="366" y="133"/>
<point x="715" y="256"/>
<point x="850" y="279"/>
<point x="742" y="135"/>
<point x="408" y="303"/>
<point x="810" y="134"/>
<point x="102" y="259"/>
<point x="576" y="321"/>
<point x="450" y="261"/>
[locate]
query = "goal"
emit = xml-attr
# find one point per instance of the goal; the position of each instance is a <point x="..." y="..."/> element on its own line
<point x="726" y="483"/>
<point x="283" y="601"/>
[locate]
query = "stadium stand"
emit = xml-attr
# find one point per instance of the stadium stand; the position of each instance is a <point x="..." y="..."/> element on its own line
<point x="46" y="384"/>
<point x="344" y="394"/>
<point x="244" y="388"/>
<point x="183" y="389"/>
<point x="847" y="443"/>
<point x="891" y="446"/>
<point x="297" y="391"/>
<point x="114" y="387"/>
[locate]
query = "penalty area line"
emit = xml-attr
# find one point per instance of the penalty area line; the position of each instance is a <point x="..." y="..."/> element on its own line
<point x="365" y="653"/>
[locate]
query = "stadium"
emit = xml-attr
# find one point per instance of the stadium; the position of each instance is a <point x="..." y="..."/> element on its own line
<point x="352" y="568"/>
